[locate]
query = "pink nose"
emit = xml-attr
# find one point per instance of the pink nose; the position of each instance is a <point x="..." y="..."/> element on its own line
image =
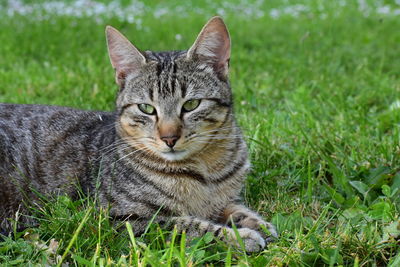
<point x="170" y="140"/>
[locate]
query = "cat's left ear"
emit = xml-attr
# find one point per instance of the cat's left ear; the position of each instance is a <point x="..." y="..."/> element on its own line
<point x="124" y="56"/>
<point x="213" y="46"/>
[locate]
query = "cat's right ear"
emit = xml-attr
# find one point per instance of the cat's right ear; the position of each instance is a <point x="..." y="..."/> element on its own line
<point x="213" y="46"/>
<point x="124" y="56"/>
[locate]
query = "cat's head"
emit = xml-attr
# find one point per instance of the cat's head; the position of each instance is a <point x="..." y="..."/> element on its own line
<point x="173" y="104"/>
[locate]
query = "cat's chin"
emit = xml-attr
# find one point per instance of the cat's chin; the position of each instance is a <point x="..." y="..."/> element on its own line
<point x="174" y="155"/>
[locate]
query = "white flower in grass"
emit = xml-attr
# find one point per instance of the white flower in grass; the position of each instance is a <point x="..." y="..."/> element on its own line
<point x="130" y="19"/>
<point x="395" y="105"/>
<point x="274" y="13"/>
<point x="221" y="12"/>
<point x="160" y="12"/>
<point x="178" y="37"/>
<point x="99" y="21"/>
<point x="383" y="10"/>
<point x="138" y="23"/>
<point x="323" y="16"/>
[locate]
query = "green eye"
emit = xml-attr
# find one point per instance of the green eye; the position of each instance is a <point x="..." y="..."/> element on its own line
<point x="191" y="105"/>
<point x="148" y="109"/>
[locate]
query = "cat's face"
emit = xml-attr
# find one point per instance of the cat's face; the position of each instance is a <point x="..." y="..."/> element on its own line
<point x="173" y="104"/>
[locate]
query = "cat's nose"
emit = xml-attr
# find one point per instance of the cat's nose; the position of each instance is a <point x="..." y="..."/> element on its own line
<point x="169" y="131"/>
<point x="170" y="140"/>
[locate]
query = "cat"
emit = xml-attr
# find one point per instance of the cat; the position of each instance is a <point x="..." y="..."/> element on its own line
<point x="171" y="148"/>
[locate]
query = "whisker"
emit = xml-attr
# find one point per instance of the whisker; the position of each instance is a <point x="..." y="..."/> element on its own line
<point x="122" y="147"/>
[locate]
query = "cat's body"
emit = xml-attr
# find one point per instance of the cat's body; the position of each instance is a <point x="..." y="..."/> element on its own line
<point x="179" y="154"/>
<point x="62" y="148"/>
<point x="47" y="148"/>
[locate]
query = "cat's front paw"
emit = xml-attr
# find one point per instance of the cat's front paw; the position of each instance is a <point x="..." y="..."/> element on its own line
<point x="252" y="221"/>
<point x="273" y="233"/>
<point x="252" y="240"/>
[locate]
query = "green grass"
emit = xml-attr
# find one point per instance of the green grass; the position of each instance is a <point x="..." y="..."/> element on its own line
<point x="315" y="94"/>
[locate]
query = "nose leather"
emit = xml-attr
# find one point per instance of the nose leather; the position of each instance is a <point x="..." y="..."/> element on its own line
<point x="170" y="140"/>
<point x="169" y="133"/>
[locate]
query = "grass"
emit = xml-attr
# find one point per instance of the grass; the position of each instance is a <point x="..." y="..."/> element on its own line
<point x="316" y="93"/>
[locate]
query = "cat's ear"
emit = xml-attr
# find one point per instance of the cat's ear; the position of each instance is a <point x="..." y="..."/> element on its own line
<point x="213" y="46"/>
<point x="125" y="57"/>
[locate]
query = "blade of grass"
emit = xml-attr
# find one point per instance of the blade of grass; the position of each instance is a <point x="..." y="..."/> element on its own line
<point x="172" y="247"/>
<point x="136" y="251"/>
<point x="182" y="254"/>
<point x="75" y="236"/>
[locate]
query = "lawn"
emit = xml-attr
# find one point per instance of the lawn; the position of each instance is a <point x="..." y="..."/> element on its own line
<point x="317" y="93"/>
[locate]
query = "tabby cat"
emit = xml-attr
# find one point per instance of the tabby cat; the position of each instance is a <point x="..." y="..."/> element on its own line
<point x="172" y="146"/>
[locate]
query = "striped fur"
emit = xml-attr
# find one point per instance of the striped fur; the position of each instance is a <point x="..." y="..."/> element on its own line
<point x="123" y="156"/>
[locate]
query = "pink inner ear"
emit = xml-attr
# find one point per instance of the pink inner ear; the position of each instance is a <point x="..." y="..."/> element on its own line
<point x="120" y="78"/>
<point x="124" y="56"/>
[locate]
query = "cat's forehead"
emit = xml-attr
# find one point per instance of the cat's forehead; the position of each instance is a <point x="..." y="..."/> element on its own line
<point x="170" y="76"/>
<point x="173" y="76"/>
<point x="166" y="74"/>
<point x="165" y="57"/>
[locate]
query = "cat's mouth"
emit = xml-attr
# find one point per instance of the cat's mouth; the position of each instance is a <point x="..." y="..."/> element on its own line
<point x="174" y="154"/>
